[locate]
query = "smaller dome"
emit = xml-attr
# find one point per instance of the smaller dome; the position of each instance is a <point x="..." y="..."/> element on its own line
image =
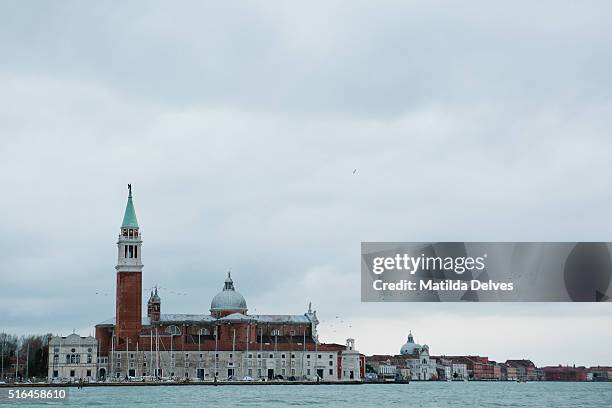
<point x="228" y="298"/>
<point x="410" y="347"/>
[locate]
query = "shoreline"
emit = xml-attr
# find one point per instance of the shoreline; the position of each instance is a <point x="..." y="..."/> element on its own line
<point x="157" y="384"/>
<point x="248" y="383"/>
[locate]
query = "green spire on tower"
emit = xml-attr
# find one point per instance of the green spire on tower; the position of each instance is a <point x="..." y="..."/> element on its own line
<point x="129" y="219"/>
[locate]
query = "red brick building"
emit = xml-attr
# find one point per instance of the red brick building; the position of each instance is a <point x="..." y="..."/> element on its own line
<point x="226" y="343"/>
<point x="561" y="373"/>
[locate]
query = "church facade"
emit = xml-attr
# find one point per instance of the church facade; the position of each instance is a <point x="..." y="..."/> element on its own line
<point x="225" y="343"/>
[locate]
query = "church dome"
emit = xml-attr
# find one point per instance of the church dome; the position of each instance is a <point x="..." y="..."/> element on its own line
<point x="228" y="299"/>
<point x="410" y="347"/>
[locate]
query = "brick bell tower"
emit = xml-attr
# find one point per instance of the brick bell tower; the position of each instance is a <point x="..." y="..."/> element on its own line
<point x="128" y="309"/>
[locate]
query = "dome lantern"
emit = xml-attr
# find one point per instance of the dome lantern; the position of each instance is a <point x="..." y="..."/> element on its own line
<point x="228" y="301"/>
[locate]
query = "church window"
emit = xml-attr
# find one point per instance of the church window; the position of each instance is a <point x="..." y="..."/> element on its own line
<point x="283" y="356"/>
<point x="125" y="251"/>
<point x="331" y="371"/>
<point x="89" y="359"/>
<point x="135" y="251"/>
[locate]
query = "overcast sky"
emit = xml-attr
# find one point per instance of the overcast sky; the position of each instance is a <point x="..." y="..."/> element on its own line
<point x="239" y="125"/>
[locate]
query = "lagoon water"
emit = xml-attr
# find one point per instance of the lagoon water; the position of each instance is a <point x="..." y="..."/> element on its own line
<point x="416" y="394"/>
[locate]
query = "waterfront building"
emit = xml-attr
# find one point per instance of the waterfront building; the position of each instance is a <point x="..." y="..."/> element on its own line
<point x="509" y="373"/>
<point x="525" y="369"/>
<point x="477" y="367"/>
<point x="422" y="367"/>
<point x="448" y="370"/>
<point x="497" y="371"/>
<point x="413" y="357"/>
<point x="226" y="342"/>
<point x="72" y="358"/>
<point x="459" y="371"/>
<point x="561" y="373"/>
<point x="386" y="371"/>
<point x="600" y="373"/>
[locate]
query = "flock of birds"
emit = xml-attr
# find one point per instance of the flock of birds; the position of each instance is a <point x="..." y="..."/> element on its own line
<point x="336" y="324"/>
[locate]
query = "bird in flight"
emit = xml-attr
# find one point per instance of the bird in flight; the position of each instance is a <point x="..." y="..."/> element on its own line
<point x="354" y="171"/>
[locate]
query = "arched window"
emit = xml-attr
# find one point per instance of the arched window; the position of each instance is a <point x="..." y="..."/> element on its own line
<point x="173" y="330"/>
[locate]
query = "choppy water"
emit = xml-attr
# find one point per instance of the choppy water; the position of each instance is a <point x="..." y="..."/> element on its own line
<point x="416" y="394"/>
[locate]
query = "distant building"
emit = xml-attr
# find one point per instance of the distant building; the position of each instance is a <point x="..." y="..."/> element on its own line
<point x="600" y="373"/>
<point x="459" y="371"/>
<point x="386" y="371"/>
<point x="525" y="369"/>
<point x="72" y="358"/>
<point x="562" y="373"/>
<point x="447" y="370"/>
<point x="418" y="360"/>
<point x="509" y="373"/>
<point x="477" y="367"/>
<point x="412" y="357"/>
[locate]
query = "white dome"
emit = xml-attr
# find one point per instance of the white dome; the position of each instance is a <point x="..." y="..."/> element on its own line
<point x="228" y="298"/>
<point x="410" y="347"/>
